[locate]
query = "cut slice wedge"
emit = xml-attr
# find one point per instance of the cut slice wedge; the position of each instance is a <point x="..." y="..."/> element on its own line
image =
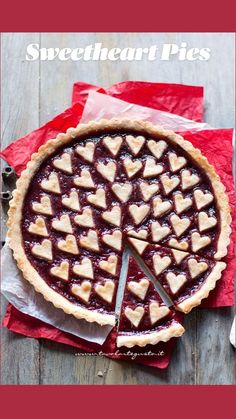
<point x="144" y="318"/>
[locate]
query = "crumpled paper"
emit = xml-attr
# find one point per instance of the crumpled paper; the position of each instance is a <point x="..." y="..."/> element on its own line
<point x="100" y="106"/>
<point x="185" y="100"/>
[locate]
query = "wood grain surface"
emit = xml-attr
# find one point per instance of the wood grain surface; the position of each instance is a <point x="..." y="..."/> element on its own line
<point x="34" y="92"/>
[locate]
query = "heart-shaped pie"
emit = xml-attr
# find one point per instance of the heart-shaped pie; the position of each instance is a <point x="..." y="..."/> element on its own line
<point x="113" y="144"/>
<point x="132" y="167"/>
<point x="113" y="216"/>
<point x="85" y="180"/>
<point x="152" y="168"/>
<point x="71" y="201"/>
<point x="109" y="265"/>
<point x="43" y="250"/>
<point x="63" y="163"/>
<point x="108" y="171"/>
<point x="51" y="184"/>
<point x="138" y="213"/>
<point x="44" y="206"/>
<point x="84" y="268"/>
<point x="38" y="227"/>
<point x="86" y="151"/>
<point x="63" y="224"/>
<point x="69" y="245"/>
<point x="98" y="199"/>
<point x="135" y="143"/>
<point x="61" y="271"/>
<point x="148" y="190"/>
<point x="122" y="191"/>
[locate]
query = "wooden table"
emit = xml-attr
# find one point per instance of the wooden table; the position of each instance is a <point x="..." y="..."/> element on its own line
<point x="34" y="92"/>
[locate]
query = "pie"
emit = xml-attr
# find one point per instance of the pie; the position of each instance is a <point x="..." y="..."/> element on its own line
<point x="144" y="318"/>
<point x="87" y="193"/>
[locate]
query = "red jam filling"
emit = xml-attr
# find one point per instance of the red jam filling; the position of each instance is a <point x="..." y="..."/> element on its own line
<point x="66" y="183"/>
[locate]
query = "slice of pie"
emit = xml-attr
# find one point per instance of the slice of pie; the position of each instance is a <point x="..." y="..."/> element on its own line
<point x="144" y="318"/>
<point x="87" y="190"/>
<point x="187" y="278"/>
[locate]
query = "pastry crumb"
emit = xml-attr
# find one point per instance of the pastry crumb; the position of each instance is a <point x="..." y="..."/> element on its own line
<point x="100" y="374"/>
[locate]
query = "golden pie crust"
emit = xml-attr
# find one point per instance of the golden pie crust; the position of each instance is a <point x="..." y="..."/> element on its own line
<point x="101" y="127"/>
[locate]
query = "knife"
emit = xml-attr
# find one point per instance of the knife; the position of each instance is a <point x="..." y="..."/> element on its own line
<point x="146" y="270"/>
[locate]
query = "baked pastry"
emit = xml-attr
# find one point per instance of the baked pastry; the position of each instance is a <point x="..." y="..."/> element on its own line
<point x="83" y="193"/>
<point x="144" y="318"/>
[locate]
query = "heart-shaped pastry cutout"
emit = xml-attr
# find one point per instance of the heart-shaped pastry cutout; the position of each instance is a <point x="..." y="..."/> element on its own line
<point x="61" y="271"/>
<point x="139" y="245"/>
<point x="90" y="241"/>
<point x="85" y="219"/>
<point x="113" y="240"/>
<point x="134" y="316"/>
<point x="43" y="250"/>
<point x="38" y="227"/>
<point x="205" y="222"/>
<point x="84" y="268"/>
<point x="63" y="224"/>
<point x="51" y="184"/>
<point x="175" y="281"/>
<point x="157" y="312"/>
<point x="122" y="191"/>
<point x="44" y="206"/>
<point x="87" y="151"/>
<point x="160" y="263"/>
<point x="189" y="179"/>
<point x="148" y="190"/>
<point x="84" y="180"/>
<point x="182" y="245"/>
<point x="63" y="163"/>
<point x="98" y="198"/>
<point x="196" y="268"/>
<point x="141" y="234"/>
<point x="176" y="163"/>
<point x="113" y="144"/>
<point x="181" y="203"/>
<point x="82" y="291"/>
<point x="198" y="242"/>
<point x="169" y="183"/>
<point x="109" y="265"/>
<point x="68" y="245"/>
<point x="180" y="225"/>
<point x="152" y="168"/>
<point x="132" y="167"/>
<point x="157" y="148"/>
<point x="159" y="231"/>
<point x="160" y="207"/>
<point x="202" y="199"/>
<point x="106" y="291"/>
<point x="135" y="143"/>
<point x="114" y="216"/>
<point x="139" y="288"/>
<point x="179" y="255"/>
<point x="139" y="212"/>
<point x="72" y="201"/>
<point x="108" y="171"/>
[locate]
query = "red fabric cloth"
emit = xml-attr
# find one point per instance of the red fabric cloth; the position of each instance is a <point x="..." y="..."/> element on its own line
<point x="185" y="101"/>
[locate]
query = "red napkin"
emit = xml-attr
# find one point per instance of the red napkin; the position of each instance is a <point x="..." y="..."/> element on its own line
<point x="183" y="100"/>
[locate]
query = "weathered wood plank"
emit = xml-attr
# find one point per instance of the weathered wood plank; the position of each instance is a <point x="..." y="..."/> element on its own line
<point x="20" y="107"/>
<point x="216" y="356"/>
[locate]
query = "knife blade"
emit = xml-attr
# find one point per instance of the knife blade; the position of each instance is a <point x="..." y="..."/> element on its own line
<point x="146" y="270"/>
